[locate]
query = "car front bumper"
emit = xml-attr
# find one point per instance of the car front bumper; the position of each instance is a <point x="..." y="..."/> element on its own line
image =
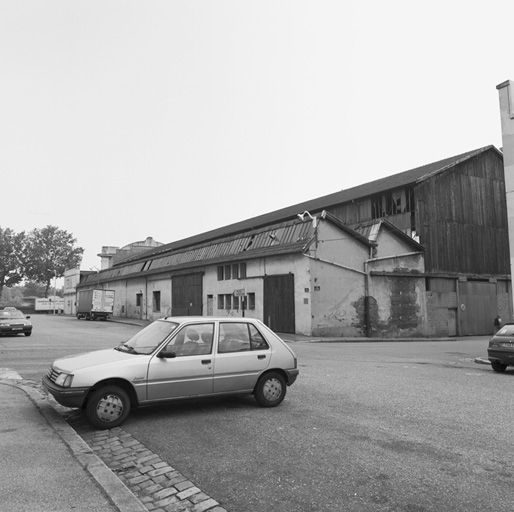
<point x="69" y="397"/>
<point x="8" y="329"/>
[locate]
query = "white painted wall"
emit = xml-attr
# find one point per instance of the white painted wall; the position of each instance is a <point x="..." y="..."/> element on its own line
<point x="506" y="93"/>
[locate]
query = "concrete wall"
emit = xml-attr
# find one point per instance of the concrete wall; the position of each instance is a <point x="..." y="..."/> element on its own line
<point x="506" y="96"/>
<point x="256" y="269"/>
<point x="162" y="285"/>
<point x="389" y="245"/>
<point x="251" y="284"/>
<point x="71" y="280"/>
<point x="398" y="305"/>
<point x="338" y="284"/>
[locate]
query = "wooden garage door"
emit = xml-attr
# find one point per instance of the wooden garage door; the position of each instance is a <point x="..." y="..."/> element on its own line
<point x="279" y="303"/>
<point x="186" y="295"/>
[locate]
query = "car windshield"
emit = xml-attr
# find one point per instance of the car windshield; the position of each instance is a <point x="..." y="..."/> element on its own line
<point x="147" y="340"/>
<point x="506" y="330"/>
<point x="11" y="314"/>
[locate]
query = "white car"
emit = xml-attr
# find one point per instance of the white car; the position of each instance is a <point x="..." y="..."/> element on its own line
<point x="173" y="358"/>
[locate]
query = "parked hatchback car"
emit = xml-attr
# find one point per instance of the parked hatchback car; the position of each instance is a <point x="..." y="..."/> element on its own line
<point x="14" y="321"/>
<point x="175" y="358"/>
<point x="501" y="348"/>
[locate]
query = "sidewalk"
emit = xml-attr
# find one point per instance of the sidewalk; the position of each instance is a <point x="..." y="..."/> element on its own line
<point x="320" y="339"/>
<point x="46" y="466"/>
<point x="292" y="338"/>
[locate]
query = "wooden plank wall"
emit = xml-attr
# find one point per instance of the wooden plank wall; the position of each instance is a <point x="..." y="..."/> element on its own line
<point x="461" y="217"/>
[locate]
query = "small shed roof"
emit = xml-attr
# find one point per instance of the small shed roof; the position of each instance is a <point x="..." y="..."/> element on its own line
<point x="370" y="230"/>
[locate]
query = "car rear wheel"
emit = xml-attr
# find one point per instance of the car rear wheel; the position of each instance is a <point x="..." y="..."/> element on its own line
<point x="270" y="389"/>
<point x="108" y="407"/>
<point x="498" y="367"/>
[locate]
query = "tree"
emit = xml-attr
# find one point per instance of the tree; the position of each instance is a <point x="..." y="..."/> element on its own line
<point x="48" y="253"/>
<point x="11" y="251"/>
<point x="33" y="289"/>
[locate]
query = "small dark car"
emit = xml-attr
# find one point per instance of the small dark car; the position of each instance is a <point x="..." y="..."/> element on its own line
<point x="501" y="348"/>
<point x="13" y="321"/>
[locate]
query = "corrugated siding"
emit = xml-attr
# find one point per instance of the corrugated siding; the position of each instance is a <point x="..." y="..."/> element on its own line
<point x="462" y="218"/>
<point x="273" y="240"/>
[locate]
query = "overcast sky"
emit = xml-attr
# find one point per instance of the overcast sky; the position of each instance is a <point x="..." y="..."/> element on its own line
<point x="121" y="119"/>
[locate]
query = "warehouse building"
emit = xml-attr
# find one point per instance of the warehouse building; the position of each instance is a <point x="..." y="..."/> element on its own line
<point x="422" y="252"/>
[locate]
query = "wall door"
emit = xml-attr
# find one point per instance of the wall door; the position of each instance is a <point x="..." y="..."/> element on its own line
<point x="477" y="307"/>
<point x="279" y="313"/>
<point x="186" y="295"/>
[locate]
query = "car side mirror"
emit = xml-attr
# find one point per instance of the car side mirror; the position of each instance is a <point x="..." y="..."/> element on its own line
<point x="163" y="354"/>
<point x="27" y="317"/>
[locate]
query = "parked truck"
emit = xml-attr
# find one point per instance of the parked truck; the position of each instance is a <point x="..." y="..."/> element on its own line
<point x="93" y="304"/>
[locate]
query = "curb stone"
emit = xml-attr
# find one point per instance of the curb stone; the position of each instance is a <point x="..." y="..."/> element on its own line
<point x="133" y="478"/>
<point x="159" y="486"/>
<point x="118" y="493"/>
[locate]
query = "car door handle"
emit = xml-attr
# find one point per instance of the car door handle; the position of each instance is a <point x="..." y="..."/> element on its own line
<point x="261" y="356"/>
<point x="206" y="361"/>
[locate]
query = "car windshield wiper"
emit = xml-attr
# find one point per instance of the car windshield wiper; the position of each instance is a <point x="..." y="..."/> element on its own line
<point x="126" y="348"/>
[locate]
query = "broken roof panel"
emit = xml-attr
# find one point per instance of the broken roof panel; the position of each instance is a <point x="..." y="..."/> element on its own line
<point x="316" y="205"/>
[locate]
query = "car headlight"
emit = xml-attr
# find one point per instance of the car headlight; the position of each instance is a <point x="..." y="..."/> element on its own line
<point x="64" y="380"/>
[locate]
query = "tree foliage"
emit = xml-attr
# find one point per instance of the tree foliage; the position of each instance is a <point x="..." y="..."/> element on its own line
<point x="11" y="251"/>
<point x="48" y="253"/>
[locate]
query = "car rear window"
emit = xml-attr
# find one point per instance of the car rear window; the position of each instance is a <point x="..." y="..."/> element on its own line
<point x="11" y="314"/>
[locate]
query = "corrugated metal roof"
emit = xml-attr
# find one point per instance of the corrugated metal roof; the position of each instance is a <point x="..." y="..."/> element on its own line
<point x="316" y="205"/>
<point x="288" y="237"/>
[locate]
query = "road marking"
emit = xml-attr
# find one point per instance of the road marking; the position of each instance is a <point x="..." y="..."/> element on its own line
<point x="7" y="373"/>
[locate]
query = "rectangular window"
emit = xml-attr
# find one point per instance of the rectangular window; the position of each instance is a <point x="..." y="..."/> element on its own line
<point x="235" y="271"/>
<point x="233" y="337"/>
<point x="235" y="302"/>
<point x="251" y="301"/>
<point x="220" y="273"/>
<point x="242" y="270"/>
<point x="193" y="340"/>
<point x="156" y="302"/>
<point x="228" y="301"/>
<point x="139" y="299"/>
<point x="227" y="271"/>
<point x="221" y="302"/>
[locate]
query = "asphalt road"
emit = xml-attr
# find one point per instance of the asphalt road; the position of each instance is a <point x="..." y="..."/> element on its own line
<point x="407" y="427"/>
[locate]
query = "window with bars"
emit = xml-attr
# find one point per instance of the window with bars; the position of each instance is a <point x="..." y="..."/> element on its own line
<point x="234" y="271"/>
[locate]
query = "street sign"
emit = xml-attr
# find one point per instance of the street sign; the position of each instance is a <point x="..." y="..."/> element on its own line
<point x="239" y="293"/>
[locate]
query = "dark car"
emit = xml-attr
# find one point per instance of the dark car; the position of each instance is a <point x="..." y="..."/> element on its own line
<point x="13" y="321"/>
<point x="501" y="348"/>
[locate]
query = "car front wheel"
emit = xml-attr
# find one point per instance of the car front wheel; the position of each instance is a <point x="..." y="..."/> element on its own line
<point x="108" y="407"/>
<point x="270" y="389"/>
<point x="498" y="367"/>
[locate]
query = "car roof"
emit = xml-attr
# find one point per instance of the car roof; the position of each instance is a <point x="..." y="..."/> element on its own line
<point x="184" y="319"/>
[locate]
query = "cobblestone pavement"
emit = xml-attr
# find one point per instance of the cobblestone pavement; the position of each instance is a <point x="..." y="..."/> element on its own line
<point x="159" y="486"/>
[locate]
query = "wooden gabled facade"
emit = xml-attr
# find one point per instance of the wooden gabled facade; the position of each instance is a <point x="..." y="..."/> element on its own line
<point x="461" y="217"/>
